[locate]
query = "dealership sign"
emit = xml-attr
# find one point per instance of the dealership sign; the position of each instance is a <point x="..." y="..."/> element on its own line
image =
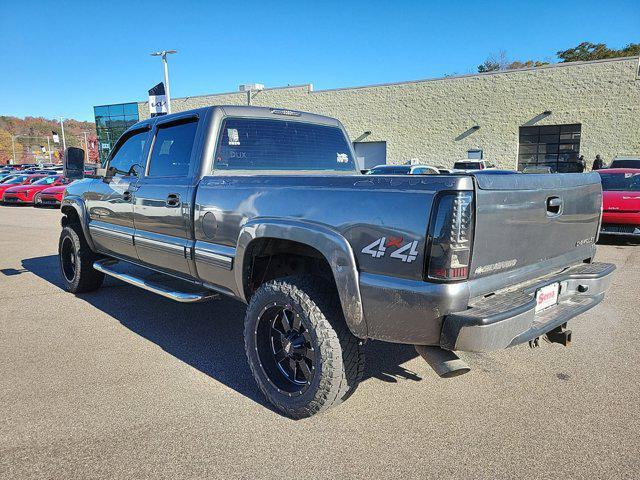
<point x="157" y="100"/>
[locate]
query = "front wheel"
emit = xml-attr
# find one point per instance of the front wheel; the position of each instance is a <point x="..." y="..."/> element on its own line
<point x="300" y="350"/>
<point x="76" y="262"/>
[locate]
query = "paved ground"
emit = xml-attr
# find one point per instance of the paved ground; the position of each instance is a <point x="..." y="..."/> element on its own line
<point x="123" y="384"/>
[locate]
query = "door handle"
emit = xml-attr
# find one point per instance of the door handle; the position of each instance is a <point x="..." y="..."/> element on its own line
<point x="554" y="206"/>
<point x="173" y="200"/>
<point x="126" y="196"/>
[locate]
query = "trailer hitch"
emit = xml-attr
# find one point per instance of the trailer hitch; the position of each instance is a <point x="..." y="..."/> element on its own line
<point x="560" y="335"/>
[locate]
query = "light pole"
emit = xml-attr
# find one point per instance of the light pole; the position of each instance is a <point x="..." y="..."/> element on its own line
<point x="49" y="148"/>
<point x="164" y="54"/>
<point x="86" y="147"/>
<point x="64" y="141"/>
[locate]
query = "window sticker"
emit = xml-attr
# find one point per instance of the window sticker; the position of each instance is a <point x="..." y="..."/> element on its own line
<point x="342" y="158"/>
<point x="234" y="137"/>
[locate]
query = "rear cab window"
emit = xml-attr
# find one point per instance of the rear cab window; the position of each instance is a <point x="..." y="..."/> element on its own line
<point x="257" y="144"/>
<point x="466" y="165"/>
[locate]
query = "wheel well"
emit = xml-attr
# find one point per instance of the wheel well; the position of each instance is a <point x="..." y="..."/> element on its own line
<point x="269" y="258"/>
<point x="69" y="216"/>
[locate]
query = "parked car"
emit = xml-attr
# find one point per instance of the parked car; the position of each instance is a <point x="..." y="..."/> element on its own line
<point x="489" y="172"/>
<point x="537" y="169"/>
<point x="236" y="200"/>
<point x="30" y="193"/>
<point x="50" y="196"/>
<point x="463" y="165"/>
<point x="24" y="166"/>
<point x="625" y="162"/>
<point x="620" y="201"/>
<point x="403" y="170"/>
<point x="19" y="179"/>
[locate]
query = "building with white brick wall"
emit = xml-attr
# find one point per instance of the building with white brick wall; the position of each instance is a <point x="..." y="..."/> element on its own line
<point x="549" y="114"/>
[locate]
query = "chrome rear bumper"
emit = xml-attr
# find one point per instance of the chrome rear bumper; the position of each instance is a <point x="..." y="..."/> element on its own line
<point x="509" y="318"/>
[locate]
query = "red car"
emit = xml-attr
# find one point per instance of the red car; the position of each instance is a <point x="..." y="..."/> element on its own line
<point x="26" y="192"/>
<point x="51" y="196"/>
<point x="18" y="180"/>
<point x="620" y="201"/>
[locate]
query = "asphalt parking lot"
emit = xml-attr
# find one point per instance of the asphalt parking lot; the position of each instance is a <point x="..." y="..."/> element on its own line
<point x="120" y="383"/>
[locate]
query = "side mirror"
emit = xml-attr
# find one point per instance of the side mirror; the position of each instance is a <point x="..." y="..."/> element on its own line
<point x="73" y="165"/>
<point x="107" y="174"/>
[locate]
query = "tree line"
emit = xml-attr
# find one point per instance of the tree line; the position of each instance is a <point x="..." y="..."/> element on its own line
<point x="28" y="136"/>
<point x="585" y="51"/>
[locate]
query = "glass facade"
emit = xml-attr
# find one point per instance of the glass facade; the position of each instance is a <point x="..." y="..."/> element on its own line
<point x="111" y="122"/>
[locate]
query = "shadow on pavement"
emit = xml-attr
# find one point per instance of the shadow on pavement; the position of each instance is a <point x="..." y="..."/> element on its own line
<point x="207" y="336"/>
<point x="618" y="240"/>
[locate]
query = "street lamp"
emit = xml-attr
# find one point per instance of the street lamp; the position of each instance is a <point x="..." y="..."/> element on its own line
<point x="64" y="140"/>
<point x="164" y="54"/>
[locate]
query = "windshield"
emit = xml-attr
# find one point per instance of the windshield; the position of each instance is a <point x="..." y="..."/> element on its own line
<point x="17" y="179"/>
<point x="265" y="144"/>
<point x="45" y="181"/>
<point x="631" y="163"/>
<point x="620" y="182"/>
<point x="466" y="165"/>
<point x="423" y="171"/>
<point x="390" y="170"/>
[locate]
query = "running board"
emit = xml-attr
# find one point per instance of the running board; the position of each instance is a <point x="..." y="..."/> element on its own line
<point x="167" y="291"/>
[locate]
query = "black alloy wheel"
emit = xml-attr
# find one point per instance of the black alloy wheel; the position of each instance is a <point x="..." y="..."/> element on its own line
<point x="285" y="349"/>
<point x="68" y="259"/>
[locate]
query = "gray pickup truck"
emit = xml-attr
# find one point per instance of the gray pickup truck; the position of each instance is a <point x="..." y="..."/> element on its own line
<point x="267" y="206"/>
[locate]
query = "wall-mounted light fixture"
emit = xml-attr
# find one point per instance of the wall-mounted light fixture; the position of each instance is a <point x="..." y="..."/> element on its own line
<point x="363" y="136"/>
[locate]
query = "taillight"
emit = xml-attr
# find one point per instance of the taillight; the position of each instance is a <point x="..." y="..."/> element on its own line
<point x="451" y="237"/>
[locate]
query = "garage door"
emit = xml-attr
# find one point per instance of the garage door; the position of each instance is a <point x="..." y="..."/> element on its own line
<point x="370" y="154"/>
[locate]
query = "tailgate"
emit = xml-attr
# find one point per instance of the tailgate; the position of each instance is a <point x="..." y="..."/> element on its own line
<point x="530" y="225"/>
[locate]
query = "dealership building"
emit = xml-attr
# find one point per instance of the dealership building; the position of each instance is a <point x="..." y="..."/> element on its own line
<point x="546" y="115"/>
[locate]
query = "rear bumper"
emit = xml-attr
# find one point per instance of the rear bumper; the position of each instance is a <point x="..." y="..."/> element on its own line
<point x="506" y="319"/>
<point x="620" y="229"/>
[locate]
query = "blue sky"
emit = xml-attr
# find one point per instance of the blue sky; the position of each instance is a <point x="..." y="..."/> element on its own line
<point x="65" y="57"/>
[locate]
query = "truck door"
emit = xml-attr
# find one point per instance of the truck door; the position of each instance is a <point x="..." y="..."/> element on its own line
<point x="162" y="207"/>
<point x="110" y="204"/>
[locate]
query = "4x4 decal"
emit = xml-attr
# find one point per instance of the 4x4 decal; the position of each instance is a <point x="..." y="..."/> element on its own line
<point x="406" y="253"/>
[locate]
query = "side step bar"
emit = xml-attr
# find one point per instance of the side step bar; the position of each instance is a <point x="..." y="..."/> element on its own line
<point x="104" y="266"/>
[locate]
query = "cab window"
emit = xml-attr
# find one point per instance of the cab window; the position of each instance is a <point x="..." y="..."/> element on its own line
<point x="127" y="159"/>
<point x="171" y="155"/>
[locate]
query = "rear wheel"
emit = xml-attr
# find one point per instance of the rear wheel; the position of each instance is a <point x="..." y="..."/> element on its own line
<point x="36" y="200"/>
<point x="76" y="262"/>
<point x="300" y="350"/>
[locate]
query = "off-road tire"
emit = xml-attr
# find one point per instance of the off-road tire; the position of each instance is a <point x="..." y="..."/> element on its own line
<point x="339" y="354"/>
<point x="84" y="277"/>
